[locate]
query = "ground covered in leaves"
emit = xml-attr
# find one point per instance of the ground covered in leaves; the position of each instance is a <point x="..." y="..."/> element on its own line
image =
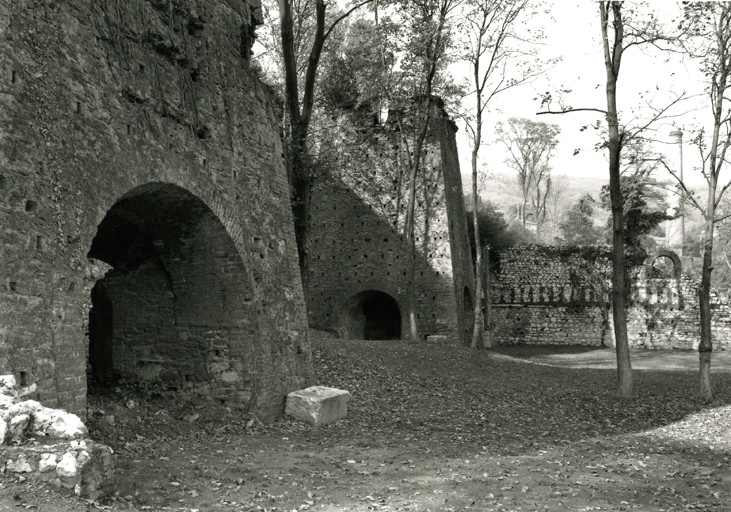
<point x="429" y="428"/>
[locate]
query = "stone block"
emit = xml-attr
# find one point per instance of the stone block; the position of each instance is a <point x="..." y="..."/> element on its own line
<point x="317" y="405"/>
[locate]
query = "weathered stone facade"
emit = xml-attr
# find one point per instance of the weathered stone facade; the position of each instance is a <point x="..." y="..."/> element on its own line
<point x="665" y="311"/>
<point x="358" y="252"/>
<point x="144" y="212"/>
<point x="544" y="296"/>
<point x="553" y="295"/>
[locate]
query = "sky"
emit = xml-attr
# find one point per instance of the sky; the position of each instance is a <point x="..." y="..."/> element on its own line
<point x="574" y="35"/>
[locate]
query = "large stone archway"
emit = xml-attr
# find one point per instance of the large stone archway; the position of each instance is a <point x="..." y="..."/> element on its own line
<point x="144" y="210"/>
<point x="177" y="306"/>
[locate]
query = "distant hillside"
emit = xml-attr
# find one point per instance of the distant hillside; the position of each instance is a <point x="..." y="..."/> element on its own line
<point x="502" y="189"/>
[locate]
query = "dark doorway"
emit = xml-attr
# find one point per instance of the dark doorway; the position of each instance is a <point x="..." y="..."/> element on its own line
<point x="101" y="327"/>
<point x="171" y="311"/>
<point x="382" y="318"/>
<point x="371" y="315"/>
<point x="468" y="317"/>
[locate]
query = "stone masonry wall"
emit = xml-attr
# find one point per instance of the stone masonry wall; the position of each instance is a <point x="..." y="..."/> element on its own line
<point x="547" y="295"/>
<point x="358" y="212"/>
<point x="551" y="296"/>
<point x="138" y="128"/>
<point x="665" y="311"/>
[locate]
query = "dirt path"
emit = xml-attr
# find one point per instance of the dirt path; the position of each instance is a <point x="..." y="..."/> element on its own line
<point x="429" y="428"/>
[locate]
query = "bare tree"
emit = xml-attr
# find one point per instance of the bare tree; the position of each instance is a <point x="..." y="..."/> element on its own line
<point x="500" y="60"/>
<point x="542" y="185"/>
<point x="429" y="29"/>
<point x="708" y="25"/>
<point x="619" y="33"/>
<point x="556" y="196"/>
<point x="530" y="145"/>
<point x="300" y="111"/>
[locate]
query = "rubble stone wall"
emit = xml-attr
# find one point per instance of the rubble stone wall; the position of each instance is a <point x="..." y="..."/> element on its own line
<point x="551" y="296"/>
<point x="131" y="131"/>
<point x="357" y="240"/>
<point x="545" y="295"/>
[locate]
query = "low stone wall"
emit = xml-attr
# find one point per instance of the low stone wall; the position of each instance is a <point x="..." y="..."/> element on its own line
<point x="560" y="296"/>
<point x="50" y="445"/>
<point x="549" y="325"/>
<point x="551" y="296"/>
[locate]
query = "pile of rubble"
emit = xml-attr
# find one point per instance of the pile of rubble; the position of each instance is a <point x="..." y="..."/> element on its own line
<point x="50" y="445"/>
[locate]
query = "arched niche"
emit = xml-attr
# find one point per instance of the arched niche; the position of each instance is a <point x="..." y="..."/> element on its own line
<point x="177" y="306"/>
<point x="370" y="314"/>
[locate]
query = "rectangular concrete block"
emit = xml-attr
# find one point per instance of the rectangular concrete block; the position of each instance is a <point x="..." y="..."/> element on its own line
<point x="317" y="405"/>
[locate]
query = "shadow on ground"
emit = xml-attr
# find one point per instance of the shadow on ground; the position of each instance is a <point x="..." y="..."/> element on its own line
<point x="605" y="358"/>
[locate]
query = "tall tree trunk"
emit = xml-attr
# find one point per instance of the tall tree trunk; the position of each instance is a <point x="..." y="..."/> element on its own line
<point x="487" y="320"/>
<point x="705" y="347"/>
<point x="477" y="328"/>
<point x="612" y="60"/>
<point x="299" y="122"/>
<point x="410" y="226"/>
<point x="301" y="190"/>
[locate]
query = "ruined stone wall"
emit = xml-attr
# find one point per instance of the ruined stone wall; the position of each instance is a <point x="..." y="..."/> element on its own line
<point x="665" y="312"/>
<point x="358" y="212"/>
<point x="138" y="128"/>
<point x="143" y="322"/>
<point x="551" y="296"/>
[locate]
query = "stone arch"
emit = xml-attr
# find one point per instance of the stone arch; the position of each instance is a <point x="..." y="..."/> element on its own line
<point x="177" y="306"/>
<point x="370" y="312"/>
<point x="676" y="270"/>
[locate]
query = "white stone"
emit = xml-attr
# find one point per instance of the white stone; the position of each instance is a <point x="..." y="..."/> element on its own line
<point x="67" y="465"/>
<point x="27" y="390"/>
<point x="5" y="402"/>
<point x="3" y="430"/>
<point x="29" y="407"/>
<point x="78" y="445"/>
<point x="66" y="426"/>
<point x="47" y="463"/>
<point x="229" y="377"/>
<point x="19" y="466"/>
<point x="317" y="405"/>
<point x="42" y="419"/>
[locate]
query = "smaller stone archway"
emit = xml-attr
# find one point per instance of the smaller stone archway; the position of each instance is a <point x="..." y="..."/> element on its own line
<point x="663" y="265"/>
<point x="370" y="314"/>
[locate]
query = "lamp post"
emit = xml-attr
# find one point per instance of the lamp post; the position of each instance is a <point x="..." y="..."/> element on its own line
<point x="677" y="137"/>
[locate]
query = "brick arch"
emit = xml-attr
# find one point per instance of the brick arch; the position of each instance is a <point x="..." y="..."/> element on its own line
<point x="353" y="299"/>
<point x="178" y="306"/>
<point x="664" y="253"/>
<point x="199" y="185"/>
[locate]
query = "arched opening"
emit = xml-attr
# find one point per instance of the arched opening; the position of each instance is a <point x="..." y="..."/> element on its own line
<point x="176" y="307"/>
<point x="663" y="268"/>
<point x="468" y="315"/>
<point x="371" y="315"/>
